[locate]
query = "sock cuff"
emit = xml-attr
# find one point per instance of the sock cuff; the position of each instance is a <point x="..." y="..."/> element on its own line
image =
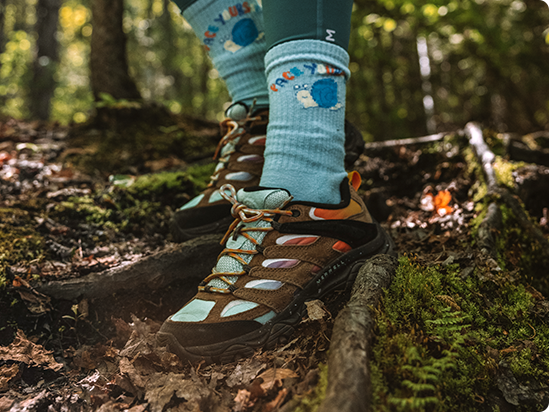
<point x="311" y="50"/>
<point x="197" y="13"/>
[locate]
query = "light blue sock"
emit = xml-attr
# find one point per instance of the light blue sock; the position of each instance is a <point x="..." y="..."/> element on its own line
<point x="305" y="138"/>
<point x="233" y="34"/>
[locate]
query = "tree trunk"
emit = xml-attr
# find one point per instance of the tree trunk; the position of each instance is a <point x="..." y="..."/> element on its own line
<point x="46" y="58"/>
<point x="2" y="20"/>
<point x="108" y="60"/>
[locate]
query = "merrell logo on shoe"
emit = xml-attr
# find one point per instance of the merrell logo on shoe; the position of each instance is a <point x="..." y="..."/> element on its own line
<point x="329" y="272"/>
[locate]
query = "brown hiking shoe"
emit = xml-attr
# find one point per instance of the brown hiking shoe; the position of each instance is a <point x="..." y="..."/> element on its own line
<point x="240" y="161"/>
<point x="279" y="254"/>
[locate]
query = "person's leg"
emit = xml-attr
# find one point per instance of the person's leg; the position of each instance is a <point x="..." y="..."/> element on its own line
<point x="233" y="34"/>
<point x="280" y="253"/>
<point x="306" y="68"/>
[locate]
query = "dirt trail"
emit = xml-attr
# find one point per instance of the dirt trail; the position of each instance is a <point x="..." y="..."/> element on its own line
<point x="88" y="274"/>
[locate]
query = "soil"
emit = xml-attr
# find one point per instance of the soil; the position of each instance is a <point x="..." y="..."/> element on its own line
<point x="69" y="209"/>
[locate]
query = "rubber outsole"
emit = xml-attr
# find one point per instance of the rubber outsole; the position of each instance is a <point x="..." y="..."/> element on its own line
<point x="339" y="275"/>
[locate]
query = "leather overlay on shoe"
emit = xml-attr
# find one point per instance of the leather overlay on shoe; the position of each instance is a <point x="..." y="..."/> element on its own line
<point x="240" y="161"/>
<point x="278" y="255"/>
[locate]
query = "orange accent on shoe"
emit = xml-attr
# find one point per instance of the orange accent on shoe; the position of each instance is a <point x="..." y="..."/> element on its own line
<point x="335" y="214"/>
<point x="315" y="269"/>
<point x="355" y="179"/>
<point x="342" y="247"/>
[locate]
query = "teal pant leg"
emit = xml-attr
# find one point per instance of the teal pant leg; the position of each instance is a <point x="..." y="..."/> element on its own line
<point x="328" y="20"/>
<point x="183" y="4"/>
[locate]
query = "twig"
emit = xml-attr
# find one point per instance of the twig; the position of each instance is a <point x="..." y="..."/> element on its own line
<point x="405" y="142"/>
<point x="349" y="385"/>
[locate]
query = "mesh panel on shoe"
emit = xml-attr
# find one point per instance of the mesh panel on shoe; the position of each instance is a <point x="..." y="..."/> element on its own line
<point x="261" y="199"/>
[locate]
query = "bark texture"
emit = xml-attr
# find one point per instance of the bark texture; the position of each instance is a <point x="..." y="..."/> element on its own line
<point x="46" y="58"/>
<point x="349" y="383"/>
<point x="108" y="59"/>
<point x="194" y="258"/>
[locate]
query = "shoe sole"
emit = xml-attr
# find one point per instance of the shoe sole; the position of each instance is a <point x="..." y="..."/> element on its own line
<point x="339" y="275"/>
<point x="182" y="235"/>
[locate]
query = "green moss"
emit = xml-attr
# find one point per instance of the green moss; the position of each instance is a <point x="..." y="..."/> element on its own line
<point x="435" y="332"/>
<point x="142" y="207"/>
<point x="504" y="171"/>
<point x="312" y="401"/>
<point x="19" y="242"/>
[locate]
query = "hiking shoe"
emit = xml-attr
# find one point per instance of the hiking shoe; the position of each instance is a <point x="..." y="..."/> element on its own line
<point x="279" y="254"/>
<point x="240" y="161"/>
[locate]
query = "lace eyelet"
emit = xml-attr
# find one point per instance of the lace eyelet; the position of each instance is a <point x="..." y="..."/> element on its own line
<point x="296" y="213"/>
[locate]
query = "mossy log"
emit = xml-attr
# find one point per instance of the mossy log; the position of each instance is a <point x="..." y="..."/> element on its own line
<point x="349" y="386"/>
<point x="486" y="158"/>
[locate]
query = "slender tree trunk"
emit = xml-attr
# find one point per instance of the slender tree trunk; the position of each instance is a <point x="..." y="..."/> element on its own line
<point x="108" y="60"/>
<point x="46" y="58"/>
<point x="2" y="20"/>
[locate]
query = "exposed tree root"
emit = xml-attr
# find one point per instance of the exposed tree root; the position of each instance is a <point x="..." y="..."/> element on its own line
<point x="177" y="261"/>
<point x="349" y="386"/>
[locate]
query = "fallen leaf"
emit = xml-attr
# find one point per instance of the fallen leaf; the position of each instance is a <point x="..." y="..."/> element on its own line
<point x="245" y="373"/>
<point x="316" y="310"/>
<point x="127" y="368"/>
<point x="243" y="400"/>
<point x="35" y="301"/>
<point x="30" y="403"/>
<point x="6" y="403"/>
<point x="7" y="373"/>
<point x="162" y="387"/>
<point x="272" y="376"/>
<point x="23" y="350"/>
<point x="276" y="402"/>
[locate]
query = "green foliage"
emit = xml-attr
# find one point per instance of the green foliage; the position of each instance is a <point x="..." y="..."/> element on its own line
<point x="488" y="61"/>
<point x="312" y="401"/>
<point x="437" y="334"/>
<point x="19" y="242"/>
<point x="144" y="206"/>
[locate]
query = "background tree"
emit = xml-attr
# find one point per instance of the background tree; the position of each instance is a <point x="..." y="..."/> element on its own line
<point x="46" y="58"/>
<point x="108" y="60"/>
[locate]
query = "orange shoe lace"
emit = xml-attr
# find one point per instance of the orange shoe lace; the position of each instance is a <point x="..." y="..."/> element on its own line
<point x="242" y="214"/>
<point x="234" y="129"/>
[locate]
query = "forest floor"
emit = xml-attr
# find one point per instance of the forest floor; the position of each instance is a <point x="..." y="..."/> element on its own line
<point x="82" y="210"/>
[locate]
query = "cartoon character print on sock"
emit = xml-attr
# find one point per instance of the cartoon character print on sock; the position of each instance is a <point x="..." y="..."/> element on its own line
<point x="322" y="93"/>
<point x="233" y="28"/>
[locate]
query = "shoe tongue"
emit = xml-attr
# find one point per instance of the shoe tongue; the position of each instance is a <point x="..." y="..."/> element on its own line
<point x="264" y="198"/>
<point x="237" y="111"/>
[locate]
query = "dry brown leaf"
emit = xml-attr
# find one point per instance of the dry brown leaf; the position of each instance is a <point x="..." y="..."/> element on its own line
<point x="138" y="408"/>
<point x="243" y="400"/>
<point x="162" y="387"/>
<point x="316" y="310"/>
<point x="7" y="373"/>
<point x="127" y="368"/>
<point x="23" y="350"/>
<point x="449" y="301"/>
<point x="272" y="376"/>
<point x="276" y="402"/>
<point x="6" y="403"/>
<point x="244" y="373"/>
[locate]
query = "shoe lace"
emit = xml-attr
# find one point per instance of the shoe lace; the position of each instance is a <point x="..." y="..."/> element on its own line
<point x="234" y="129"/>
<point x="243" y="215"/>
